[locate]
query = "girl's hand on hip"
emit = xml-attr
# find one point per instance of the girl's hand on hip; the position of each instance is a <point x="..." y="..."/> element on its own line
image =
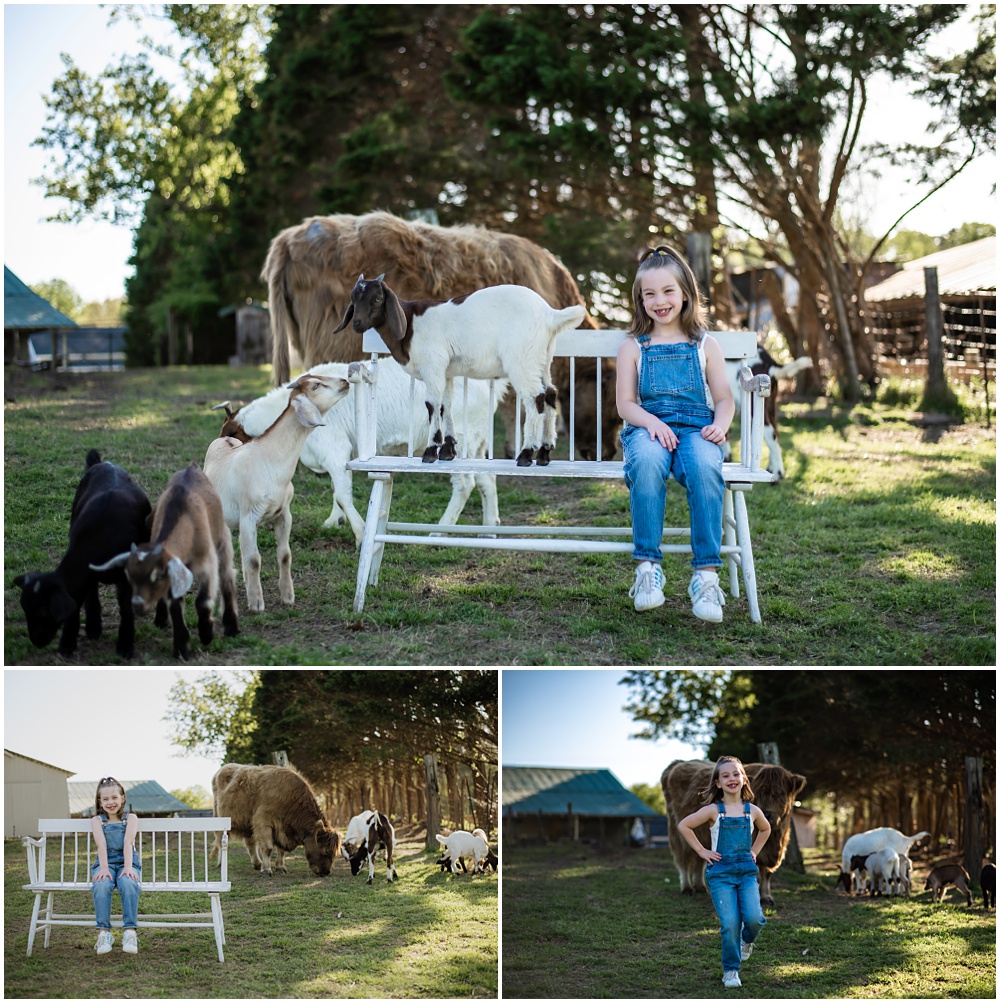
<point x="714" y="434"/>
<point x="712" y="856"/>
<point x="663" y="434"/>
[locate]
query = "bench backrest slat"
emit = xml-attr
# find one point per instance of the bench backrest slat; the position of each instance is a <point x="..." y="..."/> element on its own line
<point x="210" y="824"/>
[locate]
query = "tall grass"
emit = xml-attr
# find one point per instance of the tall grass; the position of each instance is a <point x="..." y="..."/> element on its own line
<point x="877" y="549"/>
<point x="291" y="936"/>
<point x="597" y="924"/>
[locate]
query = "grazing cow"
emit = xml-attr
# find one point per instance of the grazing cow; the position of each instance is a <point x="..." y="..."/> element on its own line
<point x="764" y="364"/>
<point x="366" y="834"/>
<point x="775" y="790"/>
<point x="274" y="808"/>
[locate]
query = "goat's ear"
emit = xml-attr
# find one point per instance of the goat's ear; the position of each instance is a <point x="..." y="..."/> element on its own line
<point x="307" y="412"/>
<point x="115" y="562"/>
<point x="394" y="314"/>
<point x="180" y="578"/>
<point x="347" y="317"/>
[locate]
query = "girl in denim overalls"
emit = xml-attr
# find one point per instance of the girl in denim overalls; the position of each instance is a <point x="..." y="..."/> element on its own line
<point x="731" y="871"/>
<point x="674" y="396"/>
<point x="114" y="836"/>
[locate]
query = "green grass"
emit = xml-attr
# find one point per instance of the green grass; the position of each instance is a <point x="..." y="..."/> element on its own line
<point x="293" y="936"/>
<point x="877" y="549"/>
<point x="587" y="923"/>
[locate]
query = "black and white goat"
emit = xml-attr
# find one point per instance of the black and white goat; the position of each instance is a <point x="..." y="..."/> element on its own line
<point x="366" y="835"/>
<point x="764" y="364"/>
<point x="497" y="332"/>
<point x="108" y="516"/>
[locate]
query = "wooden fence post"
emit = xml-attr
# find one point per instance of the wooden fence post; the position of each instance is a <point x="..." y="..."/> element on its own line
<point x="768" y="752"/>
<point x="433" y="800"/>
<point x="973" y="843"/>
<point x="936" y="392"/>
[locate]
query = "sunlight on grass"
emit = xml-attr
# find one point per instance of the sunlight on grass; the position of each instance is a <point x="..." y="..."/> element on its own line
<point x="921" y="565"/>
<point x="970" y="511"/>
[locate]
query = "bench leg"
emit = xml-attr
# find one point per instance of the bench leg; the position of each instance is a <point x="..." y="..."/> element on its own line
<point x="743" y="535"/>
<point x="370" y="556"/>
<point x="729" y="536"/>
<point x="220" y="933"/>
<point x="33" y="928"/>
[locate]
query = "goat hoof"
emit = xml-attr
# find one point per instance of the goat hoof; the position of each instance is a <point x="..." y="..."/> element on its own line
<point x="430" y="454"/>
<point x="524" y="457"/>
<point x="544" y="456"/>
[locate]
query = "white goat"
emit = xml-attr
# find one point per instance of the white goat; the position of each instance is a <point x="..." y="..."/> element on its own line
<point x="329" y="447"/>
<point x="866" y="843"/>
<point x="883" y="871"/>
<point x="501" y="331"/>
<point x="254" y="479"/>
<point x="464" y="844"/>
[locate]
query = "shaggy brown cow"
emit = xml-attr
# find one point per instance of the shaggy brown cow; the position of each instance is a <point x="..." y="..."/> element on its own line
<point x="311" y="269"/>
<point x="274" y="808"/>
<point x="775" y="790"/>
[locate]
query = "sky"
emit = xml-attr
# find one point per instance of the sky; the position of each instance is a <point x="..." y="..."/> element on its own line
<point x="574" y="718"/>
<point x="93" y="257"/>
<point x="99" y="723"/>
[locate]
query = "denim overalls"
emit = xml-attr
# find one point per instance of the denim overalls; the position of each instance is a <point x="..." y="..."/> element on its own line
<point x="128" y="888"/>
<point x="732" y="883"/>
<point x="672" y="387"/>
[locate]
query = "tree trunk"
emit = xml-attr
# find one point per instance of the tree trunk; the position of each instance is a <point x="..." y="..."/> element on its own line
<point x="433" y="800"/>
<point x="972" y="849"/>
<point x="768" y="752"/>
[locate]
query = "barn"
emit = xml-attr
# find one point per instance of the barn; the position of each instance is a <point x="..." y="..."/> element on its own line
<point x="144" y="797"/>
<point x="548" y="804"/>
<point x="25" y="312"/>
<point x="31" y="790"/>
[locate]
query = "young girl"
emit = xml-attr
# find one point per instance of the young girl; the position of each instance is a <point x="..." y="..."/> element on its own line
<point x="731" y="873"/>
<point x="117" y="865"/>
<point x="674" y="397"/>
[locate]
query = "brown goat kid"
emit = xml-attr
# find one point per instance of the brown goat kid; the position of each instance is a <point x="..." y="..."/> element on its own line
<point x="311" y="269"/>
<point x="189" y="539"/>
<point x="948" y="874"/>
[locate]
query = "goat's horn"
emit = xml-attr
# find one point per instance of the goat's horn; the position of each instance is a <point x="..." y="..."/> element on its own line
<point x="225" y="404"/>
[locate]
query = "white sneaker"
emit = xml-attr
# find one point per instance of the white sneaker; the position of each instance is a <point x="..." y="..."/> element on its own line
<point x="707" y="599"/>
<point x="745" y="950"/>
<point x="648" y="588"/>
<point x="104" y="942"/>
<point x="731" y="980"/>
<point x="129" y="943"/>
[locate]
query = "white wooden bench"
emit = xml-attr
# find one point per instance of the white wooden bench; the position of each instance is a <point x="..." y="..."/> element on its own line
<point x="739" y="477"/>
<point x="174" y="854"/>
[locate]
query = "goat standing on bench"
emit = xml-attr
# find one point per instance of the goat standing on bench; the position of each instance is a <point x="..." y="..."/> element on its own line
<point x="500" y="331"/>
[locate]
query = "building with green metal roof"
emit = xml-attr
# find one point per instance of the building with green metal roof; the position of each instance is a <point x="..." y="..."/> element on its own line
<point x="24" y="311"/>
<point x="550" y="803"/>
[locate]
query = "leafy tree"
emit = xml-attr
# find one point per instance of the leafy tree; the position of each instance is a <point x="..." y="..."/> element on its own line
<point x="213" y="716"/>
<point x="103" y="313"/>
<point x="907" y="245"/>
<point x="653" y="796"/>
<point x="967" y="233"/>
<point x="61" y="295"/>
<point x="194" y="797"/>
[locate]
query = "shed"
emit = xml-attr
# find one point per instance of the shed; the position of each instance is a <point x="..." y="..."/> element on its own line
<point x="967" y="285"/>
<point x="24" y="312"/>
<point x="87" y="349"/>
<point x="31" y="790"/>
<point x="144" y="797"/>
<point x="552" y="803"/>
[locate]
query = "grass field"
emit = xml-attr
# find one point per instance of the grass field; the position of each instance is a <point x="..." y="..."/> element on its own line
<point x="293" y="936"/>
<point x="877" y="549"/>
<point x="584" y="923"/>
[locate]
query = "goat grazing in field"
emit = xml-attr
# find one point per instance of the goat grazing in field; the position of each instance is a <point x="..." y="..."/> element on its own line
<point x="311" y="268"/>
<point x="108" y="515"/>
<point x="254" y="479"/>
<point x="466" y="844"/>
<point x="865" y="843"/>
<point x="948" y="874"/>
<point x="765" y="364"/>
<point x="366" y="834"/>
<point x="329" y="447"/>
<point x="988" y="884"/>
<point x="500" y="331"/>
<point x="189" y="539"/>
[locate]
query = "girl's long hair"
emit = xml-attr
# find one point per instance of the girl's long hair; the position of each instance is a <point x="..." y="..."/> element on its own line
<point x="712" y="793"/>
<point x="108" y="782"/>
<point x="692" y="319"/>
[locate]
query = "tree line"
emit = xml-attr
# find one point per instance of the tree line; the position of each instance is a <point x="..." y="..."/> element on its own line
<point x="592" y="129"/>
<point x="359" y="736"/>
<point x="880" y="747"/>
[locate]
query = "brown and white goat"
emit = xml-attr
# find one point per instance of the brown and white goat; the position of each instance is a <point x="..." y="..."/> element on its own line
<point x="501" y="331"/>
<point x="189" y="539"/>
<point x="948" y="874"/>
<point x="254" y="479"/>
